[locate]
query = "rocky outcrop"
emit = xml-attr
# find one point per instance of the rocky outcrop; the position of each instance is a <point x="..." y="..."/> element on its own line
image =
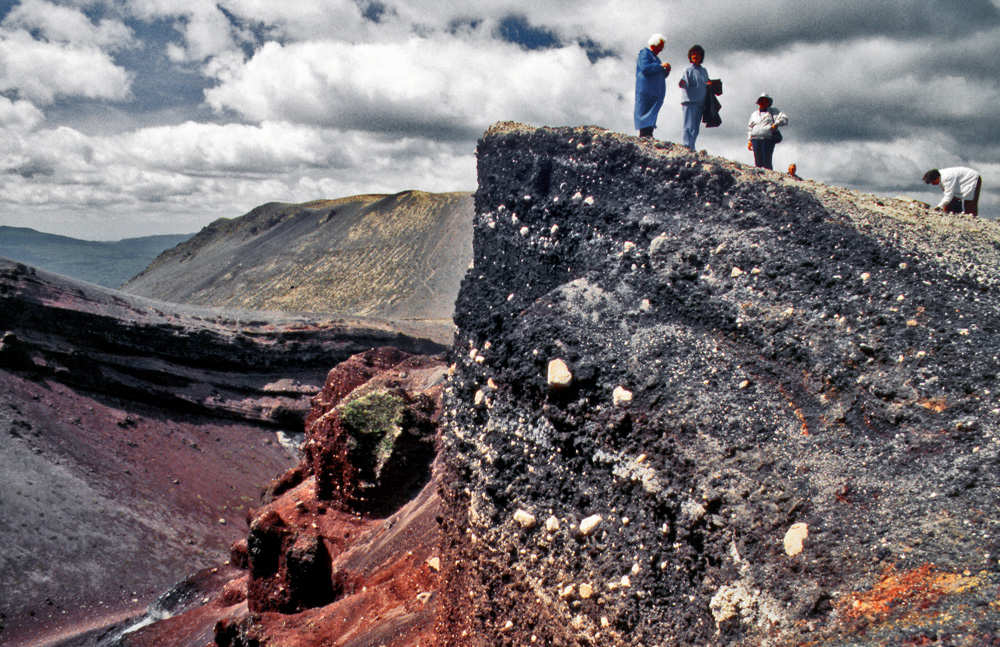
<point x="240" y="365"/>
<point x="399" y="256"/>
<point x="808" y="449"/>
<point x="339" y="551"/>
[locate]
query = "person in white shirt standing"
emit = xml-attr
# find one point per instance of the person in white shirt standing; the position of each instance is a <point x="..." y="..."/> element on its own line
<point x="762" y="131"/>
<point x="961" y="188"/>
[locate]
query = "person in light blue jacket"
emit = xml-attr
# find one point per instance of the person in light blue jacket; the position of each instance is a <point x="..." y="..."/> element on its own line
<point x="650" y="85"/>
<point x="695" y="85"/>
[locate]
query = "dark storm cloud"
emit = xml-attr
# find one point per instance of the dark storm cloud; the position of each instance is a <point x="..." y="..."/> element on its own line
<point x="768" y="26"/>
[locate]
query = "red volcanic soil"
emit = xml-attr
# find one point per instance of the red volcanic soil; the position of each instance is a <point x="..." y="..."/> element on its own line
<point x="106" y="503"/>
<point x="134" y="438"/>
<point x="332" y="565"/>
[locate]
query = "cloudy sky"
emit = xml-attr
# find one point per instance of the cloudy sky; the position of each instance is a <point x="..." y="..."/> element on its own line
<point x="123" y="118"/>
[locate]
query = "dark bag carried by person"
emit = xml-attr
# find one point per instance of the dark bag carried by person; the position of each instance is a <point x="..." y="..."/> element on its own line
<point x="710" y="116"/>
<point x="776" y="137"/>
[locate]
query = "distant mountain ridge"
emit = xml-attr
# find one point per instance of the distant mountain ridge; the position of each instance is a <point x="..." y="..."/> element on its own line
<point x="400" y="256"/>
<point x="105" y="263"/>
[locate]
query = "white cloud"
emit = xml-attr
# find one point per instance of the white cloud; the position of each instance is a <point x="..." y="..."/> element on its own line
<point x="204" y="28"/>
<point x="41" y="71"/>
<point x="302" y="20"/>
<point x="178" y="179"/>
<point x="19" y="116"/>
<point x="445" y="87"/>
<point x="55" y="23"/>
<point x="332" y="103"/>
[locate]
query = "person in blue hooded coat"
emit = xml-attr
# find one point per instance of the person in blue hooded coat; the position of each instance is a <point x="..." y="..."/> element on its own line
<point x="650" y="85"/>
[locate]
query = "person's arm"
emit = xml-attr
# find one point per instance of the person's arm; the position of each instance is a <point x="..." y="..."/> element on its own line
<point x="781" y="120"/>
<point x="648" y="64"/>
<point x="948" y="184"/>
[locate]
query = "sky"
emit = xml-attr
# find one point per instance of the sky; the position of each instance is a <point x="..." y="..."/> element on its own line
<point x="124" y="118"/>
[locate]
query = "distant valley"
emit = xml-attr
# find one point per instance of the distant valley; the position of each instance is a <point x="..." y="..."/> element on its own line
<point x="105" y="263"/>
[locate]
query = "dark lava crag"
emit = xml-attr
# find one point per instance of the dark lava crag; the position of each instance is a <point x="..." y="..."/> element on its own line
<point x="788" y="358"/>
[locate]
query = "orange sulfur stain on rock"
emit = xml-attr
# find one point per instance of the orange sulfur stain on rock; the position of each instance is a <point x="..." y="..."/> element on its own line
<point x="900" y="594"/>
<point x="937" y="405"/>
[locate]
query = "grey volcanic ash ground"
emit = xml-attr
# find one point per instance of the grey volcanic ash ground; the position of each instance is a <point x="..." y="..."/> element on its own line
<point x="810" y="450"/>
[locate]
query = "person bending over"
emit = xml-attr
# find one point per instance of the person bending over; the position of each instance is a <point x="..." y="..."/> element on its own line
<point x="961" y="186"/>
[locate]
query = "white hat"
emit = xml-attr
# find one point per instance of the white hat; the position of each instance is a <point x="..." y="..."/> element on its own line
<point x="764" y="95"/>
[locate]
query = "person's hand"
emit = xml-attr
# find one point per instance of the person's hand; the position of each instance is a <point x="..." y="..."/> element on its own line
<point x="749" y="145"/>
<point x="666" y="67"/>
<point x="682" y="84"/>
<point x="774" y="126"/>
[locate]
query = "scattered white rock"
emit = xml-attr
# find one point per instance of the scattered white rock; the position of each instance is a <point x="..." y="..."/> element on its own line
<point x="507" y="626"/>
<point x="589" y="201"/>
<point x="567" y="591"/>
<point x="628" y="246"/>
<point x="626" y="582"/>
<point x="645" y="305"/>
<point x="524" y="231"/>
<point x="554" y="229"/>
<point x="744" y="384"/>
<point x="525" y="519"/>
<point x="586" y="591"/>
<point x="472" y="353"/>
<point x="621" y="396"/>
<point x="222" y="522"/>
<point x="559" y="376"/>
<point x="900" y="298"/>
<point x="736" y="272"/>
<point x="755" y="270"/>
<point x="434" y="563"/>
<point x="552" y="524"/>
<point x="727" y="601"/>
<point x="865" y="276"/>
<point x="480" y="398"/>
<point x="590" y="524"/>
<point x="577" y="198"/>
<point x="794" y="538"/>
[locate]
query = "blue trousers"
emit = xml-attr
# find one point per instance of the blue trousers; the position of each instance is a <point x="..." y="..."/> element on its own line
<point x="763" y="150"/>
<point x="692" y="122"/>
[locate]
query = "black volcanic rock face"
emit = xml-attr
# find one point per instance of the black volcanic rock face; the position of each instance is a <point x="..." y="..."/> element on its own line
<point x="783" y="405"/>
